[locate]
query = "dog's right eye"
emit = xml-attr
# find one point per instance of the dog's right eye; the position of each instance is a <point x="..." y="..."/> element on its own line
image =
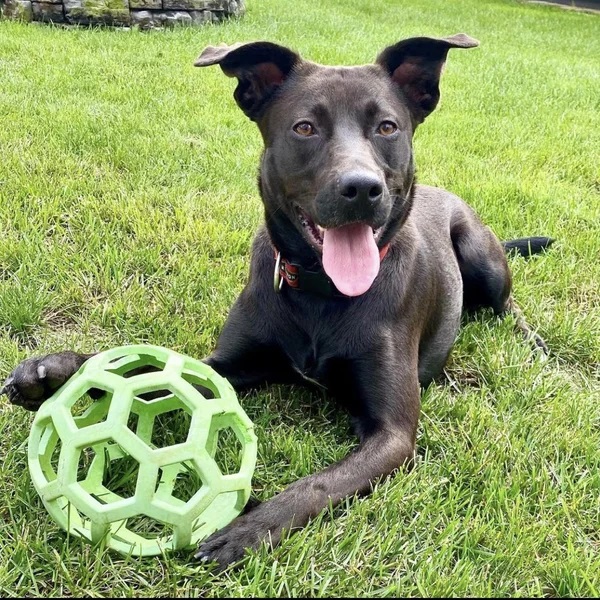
<point x="304" y="128"/>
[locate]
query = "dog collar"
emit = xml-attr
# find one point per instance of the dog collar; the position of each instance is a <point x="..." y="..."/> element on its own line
<point x="299" y="278"/>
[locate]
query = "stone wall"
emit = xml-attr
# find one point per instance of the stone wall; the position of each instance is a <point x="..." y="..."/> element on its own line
<point x="143" y="13"/>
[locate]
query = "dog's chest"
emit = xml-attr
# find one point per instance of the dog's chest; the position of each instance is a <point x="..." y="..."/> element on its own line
<point x="310" y="358"/>
<point x="319" y="343"/>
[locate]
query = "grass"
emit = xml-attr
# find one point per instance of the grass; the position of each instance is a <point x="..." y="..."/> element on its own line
<point x="127" y="206"/>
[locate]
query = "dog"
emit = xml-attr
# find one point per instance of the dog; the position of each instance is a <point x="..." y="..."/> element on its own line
<point x="359" y="275"/>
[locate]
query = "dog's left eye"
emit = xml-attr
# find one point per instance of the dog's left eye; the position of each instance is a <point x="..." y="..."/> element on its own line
<point x="387" y="128"/>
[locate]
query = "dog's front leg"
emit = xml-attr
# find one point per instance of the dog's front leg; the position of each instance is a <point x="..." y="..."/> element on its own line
<point x="248" y="354"/>
<point x="388" y="433"/>
<point x="377" y="456"/>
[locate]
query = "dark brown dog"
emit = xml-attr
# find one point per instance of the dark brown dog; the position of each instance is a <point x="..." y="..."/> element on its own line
<point x="371" y="270"/>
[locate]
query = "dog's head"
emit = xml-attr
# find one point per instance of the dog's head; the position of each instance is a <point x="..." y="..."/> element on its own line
<point x="338" y="158"/>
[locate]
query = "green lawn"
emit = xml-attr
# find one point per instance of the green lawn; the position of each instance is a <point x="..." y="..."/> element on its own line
<point x="127" y="206"/>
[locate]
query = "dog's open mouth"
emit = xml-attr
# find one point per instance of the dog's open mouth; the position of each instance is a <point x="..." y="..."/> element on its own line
<point x="350" y="253"/>
<point x="315" y="233"/>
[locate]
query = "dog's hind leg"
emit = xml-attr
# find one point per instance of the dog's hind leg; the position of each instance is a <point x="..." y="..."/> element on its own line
<point x="482" y="262"/>
<point x="484" y="269"/>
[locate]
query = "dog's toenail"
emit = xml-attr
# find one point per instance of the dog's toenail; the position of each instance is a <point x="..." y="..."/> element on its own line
<point x="202" y="557"/>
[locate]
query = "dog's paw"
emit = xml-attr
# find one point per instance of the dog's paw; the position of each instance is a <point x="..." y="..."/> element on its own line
<point x="228" y="545"/>
<point x="36" y="379"/>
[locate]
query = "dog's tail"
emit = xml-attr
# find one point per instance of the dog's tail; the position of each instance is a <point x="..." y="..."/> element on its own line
<point x="527" y="246"/>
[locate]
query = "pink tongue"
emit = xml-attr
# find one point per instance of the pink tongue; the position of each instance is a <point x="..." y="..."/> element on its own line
<point x="351" y="258"/>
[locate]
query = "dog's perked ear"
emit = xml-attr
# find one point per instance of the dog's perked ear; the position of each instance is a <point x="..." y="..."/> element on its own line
<point x="260" y="68"/>
<point x="415" y="65"/>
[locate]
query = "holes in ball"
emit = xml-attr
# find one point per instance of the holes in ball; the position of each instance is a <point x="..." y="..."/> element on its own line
<point x="81" y="406"/>
<point x="91" y="408"/>
<point x="133" y="423"/>
<point x="207" y="388"/>
<point x="129" y="366"/>
<point x="162" y="423"/>
<point x="149" y="528"/>
<point x="187" y="483"/>
<point x="148" y="394"/>
<point x="142" y="370"/>
<point x="78" y="521"/>
<point x="86" y="457"/>
<point x="171" y="427"/>
<point x="55" y="456"/>
<point x="49" y="453"/>
<point x="120" y="475"/>
<point x="155" y="395"/>
<point x="228" y="501"/>
<point x="107" y="473"/>
<point x="181" y="481"/>
<point x="226" y="448"/>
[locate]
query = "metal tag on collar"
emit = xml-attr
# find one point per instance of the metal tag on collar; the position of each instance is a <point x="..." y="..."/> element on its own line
<point x="277" y="279"/>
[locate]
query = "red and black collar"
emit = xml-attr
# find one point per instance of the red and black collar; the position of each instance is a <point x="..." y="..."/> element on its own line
<point x="299" y="278"/>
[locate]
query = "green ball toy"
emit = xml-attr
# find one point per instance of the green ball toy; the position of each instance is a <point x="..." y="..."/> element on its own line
<point x="154" y="464"/>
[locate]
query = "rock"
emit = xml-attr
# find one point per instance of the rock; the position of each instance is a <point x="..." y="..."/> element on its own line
<point x="91" y="12"/>
<point x="49" y="13"/>
<point x="144" y="4"/>
<point x="201" y="16"/>
<point x="18" y="10"/>
<point x="193" y="4"/>
<point x="143" y="13"/>
<point x="176" y="17"/>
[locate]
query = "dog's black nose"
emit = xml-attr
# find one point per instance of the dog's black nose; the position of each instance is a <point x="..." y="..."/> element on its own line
<point x="360" y="187"/>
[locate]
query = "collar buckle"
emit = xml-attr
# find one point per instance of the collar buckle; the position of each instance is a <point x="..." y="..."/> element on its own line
<point x="277" y="278"/>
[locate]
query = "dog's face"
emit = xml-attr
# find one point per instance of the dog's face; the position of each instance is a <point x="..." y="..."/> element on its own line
<point x="338" y="159"/>
<point x="337" y="148"/>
